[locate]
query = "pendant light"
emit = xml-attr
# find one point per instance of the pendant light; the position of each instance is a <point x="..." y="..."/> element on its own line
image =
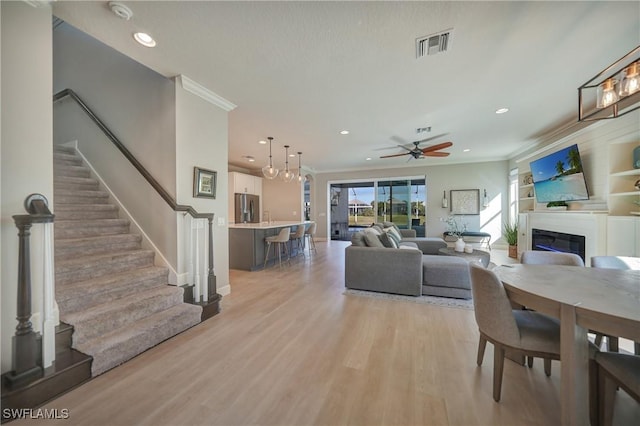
<point x="269" y="171"/>
<point x="300" y="177"/>
<point x="287" y="176"/>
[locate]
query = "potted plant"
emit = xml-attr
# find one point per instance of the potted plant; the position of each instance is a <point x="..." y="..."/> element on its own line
<point x="510" y="232"/>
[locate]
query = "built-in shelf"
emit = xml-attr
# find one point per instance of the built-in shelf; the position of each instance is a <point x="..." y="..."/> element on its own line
<point x="527" y="198"/>
<point x="622" y="179"/>
<point x="620" y="194"/>
<point x="632" y="172"/>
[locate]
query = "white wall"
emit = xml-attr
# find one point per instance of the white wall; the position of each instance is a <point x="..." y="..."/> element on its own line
<point x="137" y="105"/>
<point x="202" y="140"/>
<point x="26" y="140"/>
<point x="282" y="200"/>
<point x="492" y="176"/>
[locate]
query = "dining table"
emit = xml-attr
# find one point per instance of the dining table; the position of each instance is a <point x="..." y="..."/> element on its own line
<point x="583" y="299"/>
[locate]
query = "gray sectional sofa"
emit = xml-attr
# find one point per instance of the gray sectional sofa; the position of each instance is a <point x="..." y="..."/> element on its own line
<point x="414" y="268"/>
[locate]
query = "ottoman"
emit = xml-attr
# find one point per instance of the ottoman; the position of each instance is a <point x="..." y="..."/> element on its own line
<point x="446" y="276"/>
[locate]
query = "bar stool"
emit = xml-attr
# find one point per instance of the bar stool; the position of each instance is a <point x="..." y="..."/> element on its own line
<point x="281" y="239"/>
<point x="297" y="238"/>
<point x="308" y="235"/>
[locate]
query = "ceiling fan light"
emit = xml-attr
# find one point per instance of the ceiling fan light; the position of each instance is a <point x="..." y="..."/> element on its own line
<point x="269" y="171"/>
<point x="607" y="94"/>
<point x="630" y="83"/>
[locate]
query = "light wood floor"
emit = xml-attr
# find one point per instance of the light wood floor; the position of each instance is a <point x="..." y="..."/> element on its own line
<point x="289" y="348"/>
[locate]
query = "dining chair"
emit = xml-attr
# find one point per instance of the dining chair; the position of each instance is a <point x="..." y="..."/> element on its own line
<point x="296" y="238"/>
<point x="282" y="239"/>
<point x="615" y="262"/>
<point x="615" y="370"/>
<point x="537" y="257"/>
<point x="519" y="332"/>
<point x="308" y="235"/>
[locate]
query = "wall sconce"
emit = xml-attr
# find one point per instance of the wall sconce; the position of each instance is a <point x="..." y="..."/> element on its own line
<point x="485" y="200"/>
<point x="445" y="202"/>
<point x="613" y="92"/>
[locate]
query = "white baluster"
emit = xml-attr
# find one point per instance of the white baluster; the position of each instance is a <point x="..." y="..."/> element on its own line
<point x="205" y="263"/>
<point x="196" y="278"/>
<point x="49" y="302"/>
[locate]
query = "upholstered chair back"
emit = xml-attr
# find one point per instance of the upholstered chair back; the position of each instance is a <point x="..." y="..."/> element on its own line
<point x="492" y="307"/>
<point x="615" y="262"/>
<point x="535" y="257"/>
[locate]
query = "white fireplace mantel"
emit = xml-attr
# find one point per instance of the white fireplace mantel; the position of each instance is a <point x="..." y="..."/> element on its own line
<point x="593" y="226"/>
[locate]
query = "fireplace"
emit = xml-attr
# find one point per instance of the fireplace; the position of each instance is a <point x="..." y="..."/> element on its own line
<point x="545" y="240"/>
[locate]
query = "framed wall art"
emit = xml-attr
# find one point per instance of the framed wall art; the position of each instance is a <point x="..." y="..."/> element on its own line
<point x="204" y="183"/>
<point x="465" y="201"/>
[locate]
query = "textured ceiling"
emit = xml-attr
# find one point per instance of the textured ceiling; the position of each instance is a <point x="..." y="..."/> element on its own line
<point x="303" y="71"/>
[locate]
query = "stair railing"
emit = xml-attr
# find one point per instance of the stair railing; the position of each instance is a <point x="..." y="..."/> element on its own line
<point x="206" y="294"/>
<point x="32" y="351"/>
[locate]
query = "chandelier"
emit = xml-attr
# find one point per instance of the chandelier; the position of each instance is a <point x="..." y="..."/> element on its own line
<point x="269" y="171"/>
<point x="288" y="175"/>
<point x="301" y="178"/>
<point x="614" y="92"/>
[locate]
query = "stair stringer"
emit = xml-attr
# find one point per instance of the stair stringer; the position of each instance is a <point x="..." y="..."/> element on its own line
<point x="159" y="260"/>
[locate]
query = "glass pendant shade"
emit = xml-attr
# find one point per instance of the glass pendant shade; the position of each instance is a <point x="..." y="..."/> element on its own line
<point x="300" y="177"/>
<point x="607" y="94"/>
<point x="269" y="171"/>
<point x="287" y="175"/>
<point x="630" y="84"/>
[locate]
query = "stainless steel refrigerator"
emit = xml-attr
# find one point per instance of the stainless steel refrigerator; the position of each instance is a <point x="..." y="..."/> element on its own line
<point x="247" y="208"/>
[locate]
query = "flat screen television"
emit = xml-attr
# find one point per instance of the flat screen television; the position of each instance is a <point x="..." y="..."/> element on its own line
<point x="559" y="176"/>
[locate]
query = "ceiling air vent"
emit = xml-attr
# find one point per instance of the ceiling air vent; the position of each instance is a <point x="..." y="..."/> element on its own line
<point x="433" y="43"/>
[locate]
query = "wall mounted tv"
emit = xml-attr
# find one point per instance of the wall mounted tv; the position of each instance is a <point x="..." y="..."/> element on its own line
<point x="559" y="176"/>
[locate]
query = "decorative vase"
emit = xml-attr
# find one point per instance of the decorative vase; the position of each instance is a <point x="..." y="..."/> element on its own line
<point x="513" y="252"/>
<point x="459" y="246"/>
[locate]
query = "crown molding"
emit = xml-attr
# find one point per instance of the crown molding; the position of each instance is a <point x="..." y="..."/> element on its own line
<point x="38" y="3"/>
<point x="206" y="94"/>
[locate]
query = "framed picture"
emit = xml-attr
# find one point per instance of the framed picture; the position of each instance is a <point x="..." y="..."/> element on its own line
<point x="204" y="183"/>
<point x="465" y="201"/>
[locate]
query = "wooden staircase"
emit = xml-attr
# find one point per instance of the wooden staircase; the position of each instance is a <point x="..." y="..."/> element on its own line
<point x="107" y="285"/>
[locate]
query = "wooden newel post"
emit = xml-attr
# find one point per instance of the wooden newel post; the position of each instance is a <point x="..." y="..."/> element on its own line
<point x="26" y="354"/>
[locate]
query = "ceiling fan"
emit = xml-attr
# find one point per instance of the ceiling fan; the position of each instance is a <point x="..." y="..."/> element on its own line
<point x="417" y="152"/>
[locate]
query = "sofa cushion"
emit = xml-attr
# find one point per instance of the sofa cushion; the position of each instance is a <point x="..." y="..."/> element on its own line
<point x="357" y="239"/>
<point x="445" y="271"/>
<point x="391" y="225"/>
<point x="372" y="240"/>
<point x="394" y="234"/>
<point x="408" y="246"/>
<point x="387" y="241"/>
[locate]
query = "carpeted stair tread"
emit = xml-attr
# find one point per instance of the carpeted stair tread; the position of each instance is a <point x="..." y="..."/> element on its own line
<point x="89" y="228"/>
<point x="104" y="318"/>
<point x="75" y="182"/>
<point x="120" y="345"/>
<point x="63" y="159"/>
<point x="66" y="170"/>
<point x="88" y="246"/>
<point x="110" y="287"/>
<point x="85" y="211"/>
<point x="80" y="194"/>
<point x="89" y="267"/>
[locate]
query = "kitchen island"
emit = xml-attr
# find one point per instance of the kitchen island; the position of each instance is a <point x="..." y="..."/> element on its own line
<point x="247" y="246"/>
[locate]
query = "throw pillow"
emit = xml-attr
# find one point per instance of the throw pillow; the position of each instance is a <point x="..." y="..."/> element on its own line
<point x="357" y="239"/>
<point x="394" y="234"/>
<point x="391" y="225"/>
<point x="387" y="241"/>
<point x="372" y="240"/>
<point x="372" y="230"/>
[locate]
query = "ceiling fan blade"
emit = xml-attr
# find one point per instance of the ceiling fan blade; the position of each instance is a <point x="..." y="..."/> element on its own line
<point x="432" y="138"/>
<point x="437" y="147"/>
<point x="404" y="147"/>
<point x="436" y="154"/>
<point x="396" y="155"/>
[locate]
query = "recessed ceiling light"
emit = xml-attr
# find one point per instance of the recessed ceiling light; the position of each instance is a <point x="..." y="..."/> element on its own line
<point x="501" y="110"/>
<point x="262" y="142"/>
<point x="292" y="155"/>
<point x="249" y="158"/>
<point x="144" y="39"/>
<point x="368" y="158"/>
<point x="344" y="132"/>
<point x="466" y="150"/>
